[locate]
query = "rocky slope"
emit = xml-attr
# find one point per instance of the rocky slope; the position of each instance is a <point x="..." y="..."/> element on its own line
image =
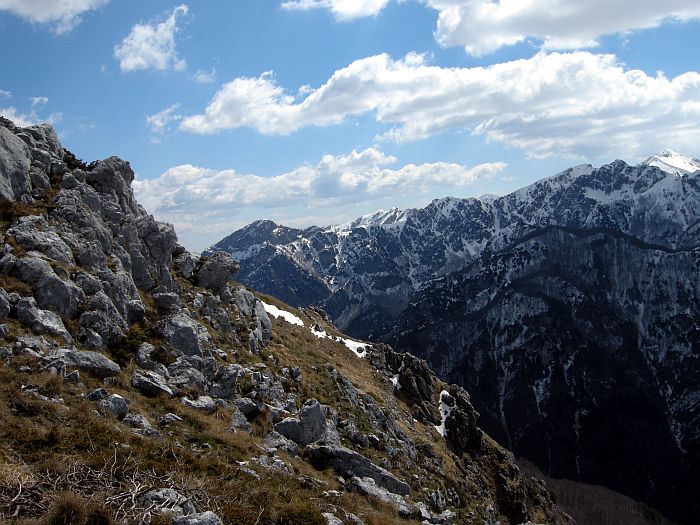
<point x="569" y="309"/>
<point x="144" y="381"/>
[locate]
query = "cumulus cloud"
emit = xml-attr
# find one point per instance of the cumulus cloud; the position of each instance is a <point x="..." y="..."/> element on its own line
<point x="62" y="15"/>
<point x="343" y="10"/>
<point x="193" y="197"/>
<point x="161" y="122"/>
<point x="5" y="94"/>
<point x="152" y="45"/>
<point x="577" y="104"/>
<point x="483" y="26"/>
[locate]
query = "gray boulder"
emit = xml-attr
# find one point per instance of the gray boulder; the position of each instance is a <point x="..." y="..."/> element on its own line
<point x="263" y="322"/>
<point x="144" y="358"/>
<point x="185" y="335"/>
<point x="166" y="301"/>
<point x="307" y="427"/>
<point x="31" y="270"/>
<point x="184" y="375"/>
<point x="5" y="306"/>
<point x="332" y="519"/>
<point x="368" y="487"/>
<point x="239" y="421"/>
<point x="141" y="425"/>
<point x="278" y="441"/>
<point x="33" y="232"/>
<point x="216" y="271"/>
<point x="203" y="403"/>
<point x="44" y="137"/>
<point x="150" y="384"/>
<point x="114" y="404"/>
<point x="88" y="361"/>
<point x="63" y="297"/>
<point x="185" y="264"/>
<point x="349" y="463"/>
<point x="15" y="160"/>
<point x="41" y="321"/>
<point x="169" y="419"/>
<point x="225" y="379"/>
<point x="204" y="518"/>
<point x="168" y="500"/>
<point x="244" y="302"/>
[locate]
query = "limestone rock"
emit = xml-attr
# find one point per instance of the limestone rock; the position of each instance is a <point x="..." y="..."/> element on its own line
<point x="204" y="518"/>
<point x="114" y="404"/>
<point x="216" y="271"/>
<point x="203" y="403"/>
<point x="368" y="487"/>
<point x="41" y="321"/>
<point x="62" y="297"/>
<point x="88" y="361"/>
<point x="15" y="160"/>
<point x="185" y="335"/>
<point x="168" y="500"/>
<point x="150" y="384"/>
<point x="32" y="232"/>
<point x="185" y="264"/>
<point x="309" y="426"/>
<point x="239" y="421"/>
<point x="349" y="463"/>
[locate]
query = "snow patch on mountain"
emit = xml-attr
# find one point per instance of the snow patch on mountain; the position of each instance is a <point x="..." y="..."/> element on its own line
<point x="674" y="163"/>
<point x="278" y="313"/>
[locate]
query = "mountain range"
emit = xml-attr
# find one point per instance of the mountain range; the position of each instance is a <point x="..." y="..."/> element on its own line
<point x="570" y="309"/>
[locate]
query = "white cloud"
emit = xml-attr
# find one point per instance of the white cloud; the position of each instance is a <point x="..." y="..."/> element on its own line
<point x="20" y="119"/>
<point x="161" y="122"/>
<point x="63" y="15"/>
<point x="343" y="10"/>
<point x="32" y="118"/>
<point x="39" y="101"/>
<point x="205" y="77"/>
<point x="483" y="26"/>
<point x="5" y="94"/>
<point x="152" y="45"/>
<point x="577" y="104"/>
<point x="194" y="198"/>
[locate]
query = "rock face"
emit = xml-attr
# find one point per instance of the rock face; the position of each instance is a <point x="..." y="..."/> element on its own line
<point x="568" y="309"/>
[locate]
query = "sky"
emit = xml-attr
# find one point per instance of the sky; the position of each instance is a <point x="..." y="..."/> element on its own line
<point x="319" y="111"/>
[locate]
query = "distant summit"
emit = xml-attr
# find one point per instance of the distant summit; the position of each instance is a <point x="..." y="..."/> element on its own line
<point x="672" y="162"/>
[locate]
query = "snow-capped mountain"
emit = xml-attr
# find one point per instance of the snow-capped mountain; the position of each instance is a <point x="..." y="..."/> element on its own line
<point x="675" y="163"/>
<point x="364" y="272"/>
<point x="569" y="309"/>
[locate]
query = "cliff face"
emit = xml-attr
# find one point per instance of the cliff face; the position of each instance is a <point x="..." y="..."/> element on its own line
<point x="143" y="379"/>
<point x="581" y="351"/>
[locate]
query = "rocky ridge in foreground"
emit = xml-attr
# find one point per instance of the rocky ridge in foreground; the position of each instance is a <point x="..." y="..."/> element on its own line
<point x="139" y="382"/>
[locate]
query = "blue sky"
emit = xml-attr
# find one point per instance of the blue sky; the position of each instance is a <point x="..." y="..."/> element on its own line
<point x="317" y="111"/>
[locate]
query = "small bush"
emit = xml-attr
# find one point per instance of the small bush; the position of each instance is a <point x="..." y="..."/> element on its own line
<point x="300" y="515"/>
<point x="99" y="515"/>
<point x="67" y="509"/>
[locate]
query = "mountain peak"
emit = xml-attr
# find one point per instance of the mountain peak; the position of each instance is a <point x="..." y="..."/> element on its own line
<point x="673" y="162"/>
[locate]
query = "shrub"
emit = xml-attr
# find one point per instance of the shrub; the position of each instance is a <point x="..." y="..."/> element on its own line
<point x="67" y="509"/>
<point x="300" y="515"/>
